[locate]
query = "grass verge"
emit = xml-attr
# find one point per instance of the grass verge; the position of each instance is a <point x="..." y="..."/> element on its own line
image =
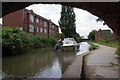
<point x="92" y="46"/>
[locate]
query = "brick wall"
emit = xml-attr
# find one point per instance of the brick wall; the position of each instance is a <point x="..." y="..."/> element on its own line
<point x="104" y="34"/>
<point x="22" y="18"/>
<point x="14" y="19"/>
<point x="98" y="35"/>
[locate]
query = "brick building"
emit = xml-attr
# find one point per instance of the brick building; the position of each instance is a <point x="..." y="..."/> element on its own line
<point x="100" y="34"/>
<point x="104" y="34"/>
<point x="30" y="22"/>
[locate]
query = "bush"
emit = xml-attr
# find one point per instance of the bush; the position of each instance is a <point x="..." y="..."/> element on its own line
<point x="92" y="46"/>
<point x="52" y="41"/>
<point x="15" y="41"/>
<point x="35" y="41"/>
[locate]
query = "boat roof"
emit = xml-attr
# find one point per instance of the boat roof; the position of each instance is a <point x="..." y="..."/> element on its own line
<point x="69" y="39"/>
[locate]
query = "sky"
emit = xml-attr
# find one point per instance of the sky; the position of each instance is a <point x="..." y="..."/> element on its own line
<point x="85" y="21"/>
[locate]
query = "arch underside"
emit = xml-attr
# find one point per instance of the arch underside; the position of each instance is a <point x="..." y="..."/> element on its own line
<point x="109" y="12"/>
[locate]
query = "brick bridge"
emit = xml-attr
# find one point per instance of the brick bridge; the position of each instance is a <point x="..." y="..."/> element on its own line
<point x="109" y="12"/>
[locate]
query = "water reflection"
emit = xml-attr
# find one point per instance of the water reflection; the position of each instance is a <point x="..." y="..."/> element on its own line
<point x="84" y="47"/>
<point x="50" y="72"/>
<point x="40" y="63"/>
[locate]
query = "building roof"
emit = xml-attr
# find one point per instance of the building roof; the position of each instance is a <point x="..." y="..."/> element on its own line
<point x="104" y="30"/>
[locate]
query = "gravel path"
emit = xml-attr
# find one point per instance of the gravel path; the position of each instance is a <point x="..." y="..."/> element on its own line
<point x="101" y="63"/>
<point x="98" y="65"/>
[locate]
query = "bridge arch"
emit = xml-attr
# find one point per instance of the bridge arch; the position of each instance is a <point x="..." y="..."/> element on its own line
<point x="109" y="12"/>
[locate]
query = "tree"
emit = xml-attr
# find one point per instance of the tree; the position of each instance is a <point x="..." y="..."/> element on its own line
<point x="77" y="37"/>
<point x="61" y="36"/>
<point x="91" y="35"/>
<point x="67" y="21"/>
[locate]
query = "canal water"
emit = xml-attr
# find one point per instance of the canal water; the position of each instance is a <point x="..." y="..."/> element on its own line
<point x="40" y="63"/>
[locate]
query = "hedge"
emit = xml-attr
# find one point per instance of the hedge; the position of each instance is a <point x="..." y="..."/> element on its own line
<point x="15" y="41"/>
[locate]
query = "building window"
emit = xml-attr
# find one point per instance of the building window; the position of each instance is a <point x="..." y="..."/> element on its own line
<point x="54" y="33"/>
<point x="37" y="29"/>
<point x="31" y="28"/>
<point x="41" y="30"/>
<point x="50" y="32"/>
<point x="53" y="26"/>
<point x="40" y="21"/>
<point x="31" y="18"/>
<point x="37" y="20"/>
<point x="45" y="31"/>
<point x="45" y="24"/>
<point x="50" y="25"/>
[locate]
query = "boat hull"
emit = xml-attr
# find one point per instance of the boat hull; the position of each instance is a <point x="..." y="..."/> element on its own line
<point x="69" y="48"/>
<point x="69" y="44"/>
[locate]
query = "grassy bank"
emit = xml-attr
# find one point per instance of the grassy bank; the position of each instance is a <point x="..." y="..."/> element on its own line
<point x="118" y="50"/>
<point x="92" y="46"/>
<point x="15" y="41"/>
<point x="107" y="42"/>
<point x="0" y="35"/>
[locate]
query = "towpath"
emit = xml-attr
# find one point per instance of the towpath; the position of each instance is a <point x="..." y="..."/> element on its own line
<point x="100" y="63"/>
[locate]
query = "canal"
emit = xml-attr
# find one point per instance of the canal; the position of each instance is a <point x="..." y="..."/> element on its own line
<point x="40" y="63"/>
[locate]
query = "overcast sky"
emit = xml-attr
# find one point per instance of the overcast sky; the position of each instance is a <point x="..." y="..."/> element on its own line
<point x="85" y="21"/>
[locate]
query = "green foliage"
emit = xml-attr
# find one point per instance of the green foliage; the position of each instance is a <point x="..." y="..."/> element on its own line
<point x="67" y="21"/>
<point x="44" y="41"/>
<point x="91" y="35"/>
<point x="118" y="50"/>
<point x="67" y="24"/>
<point x="52" y="41"/>
<point x="0" y="35"/>
<point x="77" y="37"/>
<point x="35" y="41"/>
<point x="15" y="41"/>
<point x="92" y="46"/>
<point x="107" y="42"/>
<point x="61" y="35"/>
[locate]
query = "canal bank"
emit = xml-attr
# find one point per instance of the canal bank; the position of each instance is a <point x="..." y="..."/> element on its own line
<point x="101" y="63"/>
<point x="98" y="64"/>
<point x="75" y="69"/>
<point x="40" y="63"/>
